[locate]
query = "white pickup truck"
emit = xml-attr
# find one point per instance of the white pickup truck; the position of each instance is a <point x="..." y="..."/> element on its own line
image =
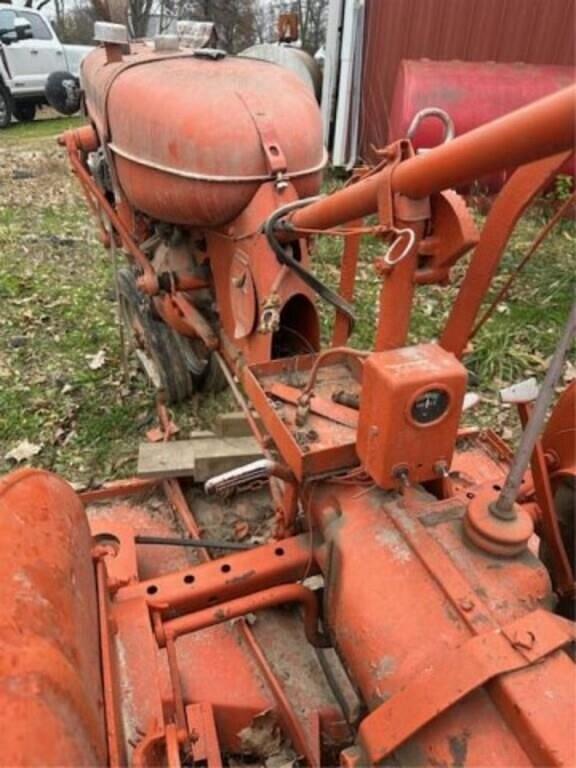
<point x="29" y="52"/>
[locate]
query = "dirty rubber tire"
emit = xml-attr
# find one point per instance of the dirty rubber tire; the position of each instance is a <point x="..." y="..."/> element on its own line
<point x="213" y="380"/>
<point x="178" y="369"/>
<point x="6" y="107"/>
<point x="24" y="112"/>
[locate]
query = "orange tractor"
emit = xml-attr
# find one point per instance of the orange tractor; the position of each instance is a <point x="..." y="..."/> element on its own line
<point x="407" y="601"/>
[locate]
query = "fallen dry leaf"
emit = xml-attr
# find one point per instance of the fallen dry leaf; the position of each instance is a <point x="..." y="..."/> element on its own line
<point x="23" y="451"/>
<point x="241" y="530"/>
<point x="262" y="737"/>
<point x="96" y="361"/>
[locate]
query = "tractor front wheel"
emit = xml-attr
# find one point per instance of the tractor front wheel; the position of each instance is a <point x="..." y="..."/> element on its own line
<point x="171" y="361"/>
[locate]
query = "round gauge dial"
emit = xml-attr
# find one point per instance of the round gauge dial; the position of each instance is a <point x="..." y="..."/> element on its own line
<point x="430" y="406"/>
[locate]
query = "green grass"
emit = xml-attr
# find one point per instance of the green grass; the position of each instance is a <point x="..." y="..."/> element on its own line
<point x="58" y="308"/>
<point x="38" y="129"/>
<point x="55" y="290"/>
<point x="521" y="335"/>
<point x="522" y="332"/>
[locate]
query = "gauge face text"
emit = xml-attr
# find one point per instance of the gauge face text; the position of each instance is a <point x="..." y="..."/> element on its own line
<point x="430" y="406"/>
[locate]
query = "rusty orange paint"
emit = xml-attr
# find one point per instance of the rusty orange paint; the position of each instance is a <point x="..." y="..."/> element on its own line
<point x="538" y="130"/>
<point x="390" y="441"/>
<point x="421" y="581"/>
<point x="201" y="167"/>
<point x="241" y="606"/>
<point x="558" y="438"/>
<point x="51" y="705"/>
<point x="376" y="503"/>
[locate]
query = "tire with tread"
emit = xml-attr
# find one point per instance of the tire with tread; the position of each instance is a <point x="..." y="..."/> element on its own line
<point x="213" y="379"/>
<point x="181" y="370"/>
<point x="6" y="106"/>
<point x="25" y="111"/>
<point x="155" y="339"/>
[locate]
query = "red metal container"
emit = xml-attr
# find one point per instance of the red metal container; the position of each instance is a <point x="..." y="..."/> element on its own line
<point x="193" y="138"/>
<point x="472" y="93"/>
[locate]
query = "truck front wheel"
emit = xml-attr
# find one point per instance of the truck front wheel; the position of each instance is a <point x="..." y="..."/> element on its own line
<point x="25" y="111"/>
<point x="6" y="107"/>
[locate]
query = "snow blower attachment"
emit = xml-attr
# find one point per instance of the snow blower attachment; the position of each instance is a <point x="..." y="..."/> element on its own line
<point x="390" y="606"/>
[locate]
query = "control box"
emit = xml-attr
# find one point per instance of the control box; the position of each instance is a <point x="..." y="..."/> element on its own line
<point x="410" y="407"/>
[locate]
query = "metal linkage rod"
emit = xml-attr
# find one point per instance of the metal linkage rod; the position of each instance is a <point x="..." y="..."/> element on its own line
<point x="538" y="130"/>
<point x="504" y="505"/>
<point x="195" y="543"/>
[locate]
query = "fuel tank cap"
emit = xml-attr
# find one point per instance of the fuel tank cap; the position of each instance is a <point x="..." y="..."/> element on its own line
<point x="107" y="32"/>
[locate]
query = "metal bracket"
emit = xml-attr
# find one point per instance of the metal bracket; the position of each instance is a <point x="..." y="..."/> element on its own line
<point x="275" y="160"/>
<point x="456" y="673"/>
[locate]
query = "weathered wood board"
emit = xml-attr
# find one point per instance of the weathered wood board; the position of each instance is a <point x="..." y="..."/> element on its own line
<point x="200" y="457"/>
<point x="235" y="424"/>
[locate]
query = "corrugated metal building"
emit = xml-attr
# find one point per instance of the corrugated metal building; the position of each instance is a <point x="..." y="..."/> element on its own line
<point x="530" y="31"/>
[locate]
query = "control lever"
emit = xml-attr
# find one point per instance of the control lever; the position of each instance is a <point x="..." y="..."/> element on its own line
<point x="261" y="469"/>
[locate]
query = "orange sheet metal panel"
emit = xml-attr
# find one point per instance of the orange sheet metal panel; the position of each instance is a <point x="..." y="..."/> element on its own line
<point x="51" y="707"/>
<point x="410" y="407"/>
<point x="529" y="31"/>
<point x="536" y="131"/>
<point x="193" y="139"/>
